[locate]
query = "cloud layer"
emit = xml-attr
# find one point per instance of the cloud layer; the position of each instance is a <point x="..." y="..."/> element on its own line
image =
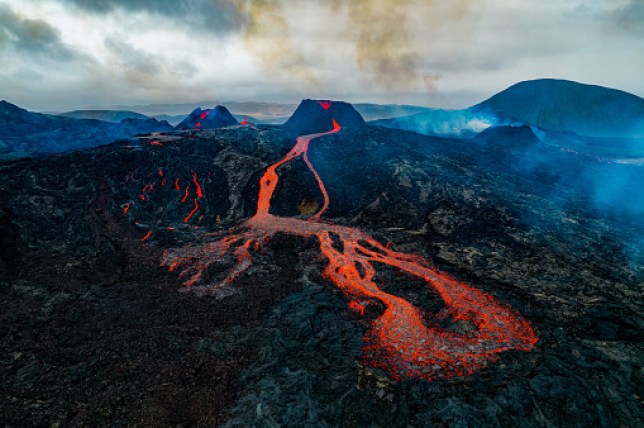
<point x="60" y="54"/>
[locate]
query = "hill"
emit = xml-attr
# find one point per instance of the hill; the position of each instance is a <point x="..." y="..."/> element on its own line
<point x="563" y="105"/>
<point x="24" y="133"/>
<point x="217" y="117"/>
<point x="315" y="116"/>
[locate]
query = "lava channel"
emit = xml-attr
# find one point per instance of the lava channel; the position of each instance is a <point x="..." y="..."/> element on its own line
<point x="399" y="341"/>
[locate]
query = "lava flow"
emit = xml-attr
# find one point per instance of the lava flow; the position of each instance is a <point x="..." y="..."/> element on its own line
<point x="399" y="341"/>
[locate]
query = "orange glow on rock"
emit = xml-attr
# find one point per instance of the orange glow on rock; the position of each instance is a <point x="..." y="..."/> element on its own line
<point x="325" y="104"/>
<point x="156" y="143"/>
<point x="356" y="307"/>
<point x="400" y="341"/>
<point x="147" y="236"/>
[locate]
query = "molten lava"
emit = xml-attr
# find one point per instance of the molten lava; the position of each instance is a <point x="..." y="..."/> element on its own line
<point x="185" y="196"/>
<point x="399" y="341"/>
<point x="191" y="213"/>
<point x="325" y="104"/>
<point x="199" y="190"/>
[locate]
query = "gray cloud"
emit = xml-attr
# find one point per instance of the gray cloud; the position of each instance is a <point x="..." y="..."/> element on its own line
<point x="140" y="67"/>
<point x="630" y="16"/>
<point x="407" y="51"/>
<point x="31" y="36"/>
<point x="213" y="16"/>
<point x="144" y="69"/>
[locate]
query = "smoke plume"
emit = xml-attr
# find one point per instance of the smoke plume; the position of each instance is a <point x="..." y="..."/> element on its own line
<point x="268" y="37"/>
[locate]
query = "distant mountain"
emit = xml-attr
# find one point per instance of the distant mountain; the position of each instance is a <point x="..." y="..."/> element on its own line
<point x="172" y="119"/>
<point x="259" y="110"/>
<point x="262" y="112"/>
<point x="592" y="120"/>
<point x="563" y="105"/>
<point x="115" y="116"/>
<point x="314" y="116"/>
<point x="217" y="117"/>
<point x="24" y="133"/>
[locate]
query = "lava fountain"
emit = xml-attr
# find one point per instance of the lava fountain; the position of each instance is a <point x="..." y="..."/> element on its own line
<point x="399" y="341"/>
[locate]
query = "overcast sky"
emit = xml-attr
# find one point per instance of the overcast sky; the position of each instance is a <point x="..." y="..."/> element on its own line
<point x="63" y="54"/>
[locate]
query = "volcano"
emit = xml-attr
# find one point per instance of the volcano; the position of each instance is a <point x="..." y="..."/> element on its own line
<point x="316" y="116"/>
<point x="217" y="117"/>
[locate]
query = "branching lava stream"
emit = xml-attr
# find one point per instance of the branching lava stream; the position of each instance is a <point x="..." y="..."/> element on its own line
<point x="399" y="341"/>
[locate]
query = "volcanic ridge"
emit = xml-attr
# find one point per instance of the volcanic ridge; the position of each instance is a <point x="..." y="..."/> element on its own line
<point x="217" y="117"/>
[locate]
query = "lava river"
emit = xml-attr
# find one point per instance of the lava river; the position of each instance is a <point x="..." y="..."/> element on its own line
<point x="399" y="341"/>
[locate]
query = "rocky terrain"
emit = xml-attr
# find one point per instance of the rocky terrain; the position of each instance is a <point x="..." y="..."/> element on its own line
<point x="95" y="332"/>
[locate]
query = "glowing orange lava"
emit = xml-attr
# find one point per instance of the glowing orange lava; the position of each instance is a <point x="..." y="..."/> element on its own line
<point x="185" y="196"/>
<point x="400" y="340"/>
<point x="199" y="190"/>
<point x="325" y="104"/>
<point x="191" y="213"/>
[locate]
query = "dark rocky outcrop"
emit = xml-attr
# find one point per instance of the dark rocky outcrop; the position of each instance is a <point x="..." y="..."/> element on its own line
<point x="217" y="117"/>
<point x="508" y="136"/>
<point x="314" y="116"/>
